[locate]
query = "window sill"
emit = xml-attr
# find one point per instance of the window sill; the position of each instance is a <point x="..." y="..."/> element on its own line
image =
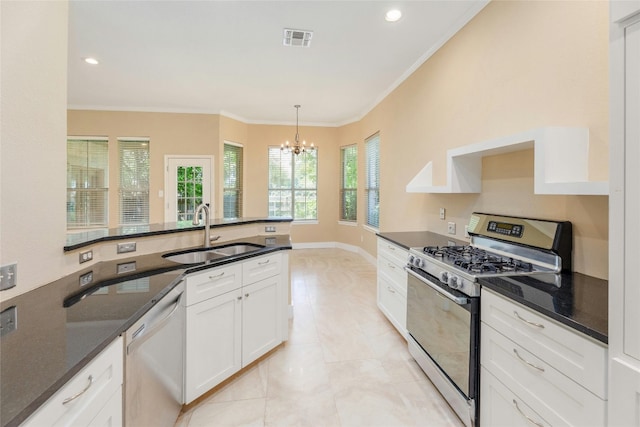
<point x="305" y="222"/>
<point x="371" y="229"/>
<point x="348" y="223"/>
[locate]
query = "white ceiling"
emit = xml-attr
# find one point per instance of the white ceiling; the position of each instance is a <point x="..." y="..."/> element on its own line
<point x="227" y="57"/>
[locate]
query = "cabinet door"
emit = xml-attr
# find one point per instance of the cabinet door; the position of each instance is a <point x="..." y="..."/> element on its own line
<point x="261" y="311"/>
<point x="213" y="343"/>
<point x="392" y="303"/>
<point x="632" y="190"/>
<point x="624" y="404"/>
<point x="111" y="413"/>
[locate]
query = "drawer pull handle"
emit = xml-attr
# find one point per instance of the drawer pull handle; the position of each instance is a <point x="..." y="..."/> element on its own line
<point x="537" y="325"/>
<point x="390" y="289"/>
<point x="77" y="395"/>
<point x="264" y="262"/>
<point x="523" y="360"/>
<point x="214" y="238"/>
<point x="391" y="265"/>
<point x="216" y="276"/>
<point x="532" y="421"/>
<point x="391" y="247"/>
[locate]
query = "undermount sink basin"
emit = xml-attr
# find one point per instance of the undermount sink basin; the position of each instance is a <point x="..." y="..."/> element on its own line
<point x="202" y="255"/>
<point x="236" y="249"/>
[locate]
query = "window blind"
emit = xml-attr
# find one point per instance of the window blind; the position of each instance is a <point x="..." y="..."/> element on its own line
<point x="372" y="190"/>
<point x="293" y="184"/>
<point x="134" y="180"/>
<point x="233" y="165"/>
<point x="87" y="182"/>
<point x="349" y="183"/>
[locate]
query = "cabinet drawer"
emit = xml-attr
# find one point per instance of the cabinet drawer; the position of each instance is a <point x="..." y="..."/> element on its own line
<point x="213" y="282"/>
<point x="558" y="399"/>
<point x="89" y="389"/>
<point x="393" y="272"/>
<point x="567" y="351"/>
<point x="499" y="407"/>
<point x="259" y="268"/>
<point x="393" y="252"/>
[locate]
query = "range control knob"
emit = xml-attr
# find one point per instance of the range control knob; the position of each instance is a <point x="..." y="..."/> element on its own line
<point x="419" y="263"/>
<point x="411" y="258"/>
<point x="455" y="282"/>
<point x="444" y="277"/>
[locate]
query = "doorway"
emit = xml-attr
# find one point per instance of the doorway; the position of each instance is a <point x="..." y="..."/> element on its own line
<point x="187" y="184"/>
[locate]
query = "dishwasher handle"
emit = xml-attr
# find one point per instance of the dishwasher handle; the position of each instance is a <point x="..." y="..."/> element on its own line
<point x="140" y="336"/>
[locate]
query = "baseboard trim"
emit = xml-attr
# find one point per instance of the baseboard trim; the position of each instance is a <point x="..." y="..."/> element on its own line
<point x="338" y="245"/>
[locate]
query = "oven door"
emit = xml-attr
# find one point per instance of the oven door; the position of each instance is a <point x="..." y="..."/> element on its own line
<point x="443" y="325"/>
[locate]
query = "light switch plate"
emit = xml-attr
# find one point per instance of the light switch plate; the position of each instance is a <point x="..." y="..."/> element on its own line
<point x="126" y="247"/>
<point x="126" y="267"/>
<point x="442" y="213"/>
<point x="8" y="320"/>
<point x="86" y="278"/>
<point x="8" y="276"/>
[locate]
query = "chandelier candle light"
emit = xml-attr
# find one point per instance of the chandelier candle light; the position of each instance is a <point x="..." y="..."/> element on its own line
<point x="298" y="147"/>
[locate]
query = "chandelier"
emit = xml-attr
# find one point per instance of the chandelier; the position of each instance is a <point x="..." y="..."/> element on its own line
<point x="298" y="147"/>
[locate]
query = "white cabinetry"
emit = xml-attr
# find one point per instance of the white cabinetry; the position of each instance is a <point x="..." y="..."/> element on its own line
<point x="234" y="315"/>
<point x="624" y="205"/>
<point x="535" y="367"/>
<point x="392" y="283"/>
<point x="93" y="397"/>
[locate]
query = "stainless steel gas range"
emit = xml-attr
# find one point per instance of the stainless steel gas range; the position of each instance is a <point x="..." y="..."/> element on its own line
<point x="443" y="296"/>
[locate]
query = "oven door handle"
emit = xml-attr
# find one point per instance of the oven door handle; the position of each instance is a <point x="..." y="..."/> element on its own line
<point x="458" y="300"/>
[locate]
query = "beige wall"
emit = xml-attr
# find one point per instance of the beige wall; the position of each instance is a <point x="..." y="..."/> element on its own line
<point x="169" y="133"/>
<point x="33" y="146"/>
<point x="515" y="66"/>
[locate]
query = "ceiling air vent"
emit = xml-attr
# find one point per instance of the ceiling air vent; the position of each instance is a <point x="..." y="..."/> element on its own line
<point x="300" y="38"/>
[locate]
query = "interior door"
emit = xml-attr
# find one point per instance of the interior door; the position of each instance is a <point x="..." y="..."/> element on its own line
<point x="187" y="184"/>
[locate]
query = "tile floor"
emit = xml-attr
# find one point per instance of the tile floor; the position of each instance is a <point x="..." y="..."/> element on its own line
<point x="344" y="364"/>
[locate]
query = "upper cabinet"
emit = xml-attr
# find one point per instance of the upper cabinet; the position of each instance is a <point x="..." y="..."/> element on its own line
<point x="561" y="157"/>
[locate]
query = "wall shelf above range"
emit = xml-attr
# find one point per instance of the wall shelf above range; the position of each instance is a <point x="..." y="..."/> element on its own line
<point x="561" y="163"/>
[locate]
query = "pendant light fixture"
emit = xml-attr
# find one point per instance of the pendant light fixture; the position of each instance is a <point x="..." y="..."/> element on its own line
<point x="298" y="147"/>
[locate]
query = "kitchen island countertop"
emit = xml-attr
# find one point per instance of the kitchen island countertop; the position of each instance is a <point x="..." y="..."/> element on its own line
<point x="56" y="336"/>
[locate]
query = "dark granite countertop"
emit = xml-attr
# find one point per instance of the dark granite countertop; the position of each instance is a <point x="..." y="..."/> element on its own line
<point x="578" y="301"/>
<point x="57" y="336"/>
<point x="87" y="238"/>
<point x="414" y="239"/>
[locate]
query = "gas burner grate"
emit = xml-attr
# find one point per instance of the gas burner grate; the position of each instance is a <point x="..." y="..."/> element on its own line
<point x="477" y="261"/>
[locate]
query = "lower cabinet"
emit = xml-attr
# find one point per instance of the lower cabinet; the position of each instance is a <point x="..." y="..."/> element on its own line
<point x="536" y="371"/>
<point x="392" y="284"/>
<point x="93" y="397"/>
<point x="235" y="326"/>
<point x="213" y="342"/>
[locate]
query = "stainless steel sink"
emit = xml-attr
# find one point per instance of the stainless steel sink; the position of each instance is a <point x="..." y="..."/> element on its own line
<point x="236" y="249"/>
<point x="201" y="255"/>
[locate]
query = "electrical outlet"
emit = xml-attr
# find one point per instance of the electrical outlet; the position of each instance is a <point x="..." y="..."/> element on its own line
<point x="442" y="213"/>
<point x="466" y="232"/>
<point x="126" y="267"/>
<point x="451" y="228"/>
<point x="86" y="278"/>
<point x="126" y="247"/>
<point x="86" y="256"/>
<point x="8" y="320"/>
<point x="8" y="276"/>
<point x="270" y="229"/>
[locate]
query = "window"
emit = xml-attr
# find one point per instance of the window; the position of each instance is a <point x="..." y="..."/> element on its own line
<point x="134" y="180"/>
<point x="87" y="182"/>
<point x="349" y="183"/>
<point x="372" y="189"/>
<point x="293" y="184"/>
<point x="232" y="204"/>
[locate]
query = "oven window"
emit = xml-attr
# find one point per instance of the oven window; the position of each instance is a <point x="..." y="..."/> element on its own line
<point x="443" y="330"/>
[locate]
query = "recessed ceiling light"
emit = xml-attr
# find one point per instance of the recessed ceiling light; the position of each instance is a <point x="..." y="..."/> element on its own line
<point x="393" y="15"/>
<point x="92" y="61"/>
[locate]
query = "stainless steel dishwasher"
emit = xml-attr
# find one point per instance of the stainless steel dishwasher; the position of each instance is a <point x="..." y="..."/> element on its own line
<point x="154" y="364"/>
